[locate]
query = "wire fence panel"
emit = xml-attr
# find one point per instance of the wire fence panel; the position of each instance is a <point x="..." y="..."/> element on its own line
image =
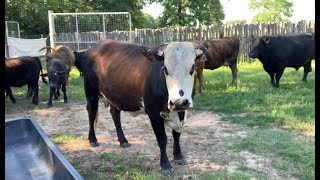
<point x="82" y="30"/>
<point x="12" y="29"/>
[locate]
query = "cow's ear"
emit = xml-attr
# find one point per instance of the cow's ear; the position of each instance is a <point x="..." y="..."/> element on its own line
<point x="266" y="39"/>
<point x="155" y="54"/>
<point x="200" y="50"/>
<point x="201" y="59"/>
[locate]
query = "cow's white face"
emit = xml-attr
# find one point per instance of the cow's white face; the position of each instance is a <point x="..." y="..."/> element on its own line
<point x="179" y="69"/>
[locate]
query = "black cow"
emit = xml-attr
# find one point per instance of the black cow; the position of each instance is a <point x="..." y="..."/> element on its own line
<point x="158" y="81"/>
<point x="278" y="52"/>
<point x="21" y="71"/>
<point x="58" y="74"/>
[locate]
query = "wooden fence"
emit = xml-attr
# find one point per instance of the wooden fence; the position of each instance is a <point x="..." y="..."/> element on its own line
<point x="155" y="37"/>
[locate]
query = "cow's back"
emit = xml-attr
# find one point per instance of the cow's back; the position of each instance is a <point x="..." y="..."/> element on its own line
<point x="221" y="51"/>
<point x="21" y="71"/>
<point x="293" y="50"/>
<point x="121" y="72"/>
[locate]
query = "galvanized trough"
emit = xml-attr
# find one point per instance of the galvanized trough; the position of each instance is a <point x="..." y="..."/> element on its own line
<point x="29" y="154"/>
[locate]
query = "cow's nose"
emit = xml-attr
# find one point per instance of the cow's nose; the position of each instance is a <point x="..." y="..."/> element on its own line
<point x="178" y="104"/>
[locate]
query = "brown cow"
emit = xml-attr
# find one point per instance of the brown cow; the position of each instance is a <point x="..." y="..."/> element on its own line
<point x="222" y="51"/>
<point x="137" y="78"/>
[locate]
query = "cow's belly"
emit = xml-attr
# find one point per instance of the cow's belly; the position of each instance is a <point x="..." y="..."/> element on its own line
<point x="123" y="98"/>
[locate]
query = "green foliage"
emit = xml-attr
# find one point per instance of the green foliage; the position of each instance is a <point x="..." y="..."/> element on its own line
<point x="32" y="15"/>
<point x="185" y="12"/>
<point x="271" y="10"/>
<point x="243" y="21"/>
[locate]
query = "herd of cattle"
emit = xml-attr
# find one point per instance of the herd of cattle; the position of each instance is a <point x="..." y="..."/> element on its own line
<point x="159" y="81"/>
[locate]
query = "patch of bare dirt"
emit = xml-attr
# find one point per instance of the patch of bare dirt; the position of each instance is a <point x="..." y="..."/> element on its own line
<point x="203" y="142"/>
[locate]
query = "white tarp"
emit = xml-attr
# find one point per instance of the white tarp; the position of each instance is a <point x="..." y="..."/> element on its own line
<point x="26" y="47"/>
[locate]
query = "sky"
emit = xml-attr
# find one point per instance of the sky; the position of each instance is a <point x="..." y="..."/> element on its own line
<point x="238" y="10"/>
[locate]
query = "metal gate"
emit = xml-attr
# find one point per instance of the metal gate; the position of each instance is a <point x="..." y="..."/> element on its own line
<point x="82" y="30"/>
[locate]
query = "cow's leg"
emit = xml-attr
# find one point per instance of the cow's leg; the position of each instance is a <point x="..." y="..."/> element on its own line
<point x="307" y="69"/>
<point x="35" y="88"/>
<point x="56" y="93"/>
<point x="115" y="113"/>
<point x="92" y="108"/>
<point x="52" y="92"/>
<point x="30" y="91"/>
<point x="159" y="131"/>
<point x="279" y="73"/>
<point x="9" y="93"/>
<point x="200" y="78"/>
<point x="271" y="74"/>
<point x="91" y="89"/>
<point x="234" y="71"/>
<point x="176" y="146"/>
<point x="64" y="90"/>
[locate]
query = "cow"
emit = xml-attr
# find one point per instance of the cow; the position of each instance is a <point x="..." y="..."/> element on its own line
<point x="221" y="51"/>
<point x="58" y="74"/>
<point x="138" y="78"/>
<point x="23" y="71"/>
<point x="281" y="51"/>
<point x="63" y="53"/>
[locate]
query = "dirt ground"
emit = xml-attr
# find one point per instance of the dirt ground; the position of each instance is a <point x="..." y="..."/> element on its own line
<point x="204" y="142"/>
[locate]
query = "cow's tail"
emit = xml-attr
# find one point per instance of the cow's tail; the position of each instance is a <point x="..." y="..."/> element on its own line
<point x="42" y="75"/>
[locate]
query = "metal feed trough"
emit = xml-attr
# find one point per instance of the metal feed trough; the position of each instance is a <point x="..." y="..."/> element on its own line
<point x="29" y="154"/>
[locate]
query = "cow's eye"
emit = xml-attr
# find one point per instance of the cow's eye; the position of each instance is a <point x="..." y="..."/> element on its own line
<point x="192" y="69"/>
<point x="164" y="68"/>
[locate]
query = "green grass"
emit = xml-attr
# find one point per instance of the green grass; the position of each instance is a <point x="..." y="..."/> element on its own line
<point x="290" y="156"/>
<point x="254" y="102"/>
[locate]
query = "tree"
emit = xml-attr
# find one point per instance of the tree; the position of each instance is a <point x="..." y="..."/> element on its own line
<point x="187" y="12"/>
<point x="32" y="15"/>
<point x="271" y="10"/>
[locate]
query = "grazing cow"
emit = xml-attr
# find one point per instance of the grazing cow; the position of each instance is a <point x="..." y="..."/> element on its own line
<point x="135" y="78"/>
<point x="21" y="71"/>
<point x="58" y="74"/>
<point x="222" y="51"/>
<point x="278" y="52"/>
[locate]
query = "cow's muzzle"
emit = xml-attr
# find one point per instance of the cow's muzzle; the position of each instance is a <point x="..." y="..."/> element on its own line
<point x="180" y="104"/>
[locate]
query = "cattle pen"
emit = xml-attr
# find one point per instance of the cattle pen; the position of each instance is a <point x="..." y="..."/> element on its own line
<point x="155" y="37"/>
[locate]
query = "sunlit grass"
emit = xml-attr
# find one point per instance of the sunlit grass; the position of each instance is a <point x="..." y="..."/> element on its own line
<point x="291" y="106"/>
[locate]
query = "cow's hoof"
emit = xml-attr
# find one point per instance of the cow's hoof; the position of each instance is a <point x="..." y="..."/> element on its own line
<point x="125" y="145"/>
<point x="181" y="162"/>
<point x="94" y="144"/>
<point x="168" y="172"/>
<point x="49" y="105"/>
<point x="14" y="101"/>
<point x="35" y="103"/>
<point x="65" y="101"/>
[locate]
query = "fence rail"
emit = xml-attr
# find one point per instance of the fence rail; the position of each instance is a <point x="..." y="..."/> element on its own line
<point x="155" y="37"/>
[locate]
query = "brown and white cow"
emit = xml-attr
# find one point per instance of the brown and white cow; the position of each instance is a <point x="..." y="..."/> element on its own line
<point x="135" y="77"/>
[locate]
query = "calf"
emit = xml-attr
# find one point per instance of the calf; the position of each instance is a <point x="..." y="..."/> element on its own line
<point x="137" y="78"/>
<point x="58" y="74"/>
<point x="222" y="51"/>
<point x="278" y="52"/>
<point x="22" y="71"/>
